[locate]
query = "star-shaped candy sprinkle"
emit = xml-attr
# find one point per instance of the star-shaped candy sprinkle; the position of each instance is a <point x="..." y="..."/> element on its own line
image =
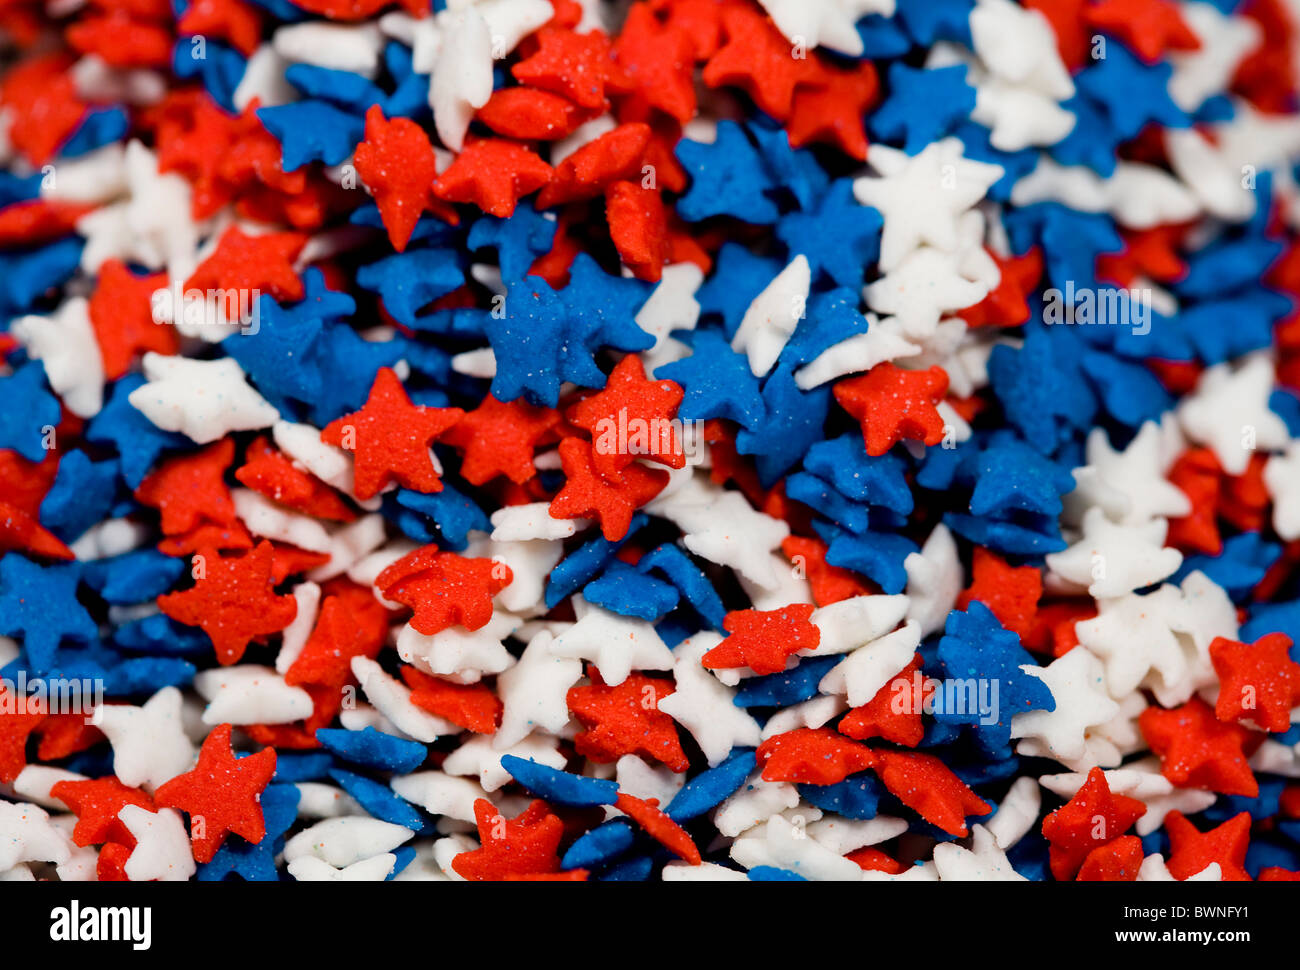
<point x="233" y="601"/>
<point x="756" y="58"/>
<point x="149" y="743"/>
<point x="1191" y="850"/>
<point x="243" y="262"/>
<point x="1077" y="683"/>
<point x="632" y="417"/>
<point x="1093" y="817"/>
<point x="512" y="848"/>
<point x="162" y="849"/>
<point x="1199" y="751"/>
<point x="704" y="706"/>
<point x="397" y="164"/>
<point x="1259" y="682"/>
<point x="1111" y="559"/>
<point x="764" y="640"/>
<point x="39" y="604"/>
<point x="390" y="438"/>
<point x="499" y="438"/>
<point x="202" y="399"/>
<point x="1229" y="413"/>
<point x="96" y="804"/>
<point x="926" y="785"/>
<point x="1012" y="593"/>
<point x="919" y="202"/>
<point x="893" y="404"/>
<point x="615" y="645"/>
<point x="17" y="722"/>
<point x="611" y="502"/>
<point x="493" y="174"/>
<point x="568" y="63"/>
<point x="221" y="795"/>
<point x="533" y="691"/>
<point x="121" y="313"/>
<point x="812" y="756"/>
<point x="1149" y="27"/>
<point x="471" y="706"/>
<point x="444" y="588"/>
<point x="625" y="719"/>
<point x="655" y="64"/>
<point x="191" y="489"/>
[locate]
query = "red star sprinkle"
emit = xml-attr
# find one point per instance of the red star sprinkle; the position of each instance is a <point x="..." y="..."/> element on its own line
<point x="499" y="439"/>
<point x="346" y="627"/>
<point x="443" y="588"/>
<point x="45" y="109"/>
<point x="1151" y="253"/>
<point x="396" y="162"/>
<point x="243" y="262"/>
<point x="231" y="537"/>
<point x="1199" y="751"/>
<point x="222" y="794"/>
<point x="39" y="220"/>
<point x="638" y="226"/>
<point x="235" y="21"/>
<point x="1053" y="631"/>
<point x="616" y="155"/>
<point x="268" y="471"/>
<point x="1072" y="34"/>
<point x="873" y="860"/>
<point x="1006" y="304"/>
<point x="1278" y="874"/>
<point x="191" y="489"/>
<point x="1197" y="474"/>
<point x="527" y="114"/>
<point x="493" y="174"/>
<point x="763" y="640"/>
<point x="122" y="41"/>
<point x="96" y="804"/>
<point x="892" y="404"/>
<point x="512" y="847"/>
<point x="23" y="485"/>
<point x="19" y="717"/>
<point x="830" y="584"/>
<point x="1258" y="682"/>
<point x="661" y="828"/>
<point x="894" y="713"/>
<point x="927" y="786"/>
<point x="1147" y="27"/>
<point x="1191" y="850"/>
<point x="233" y="601"/>
<point x="1116" y="861"/>
<point x="588" y="494"/>
<point x="829" y="109"/>
<point x="1092" y="818"/>
<point x="1010" y="593"/>
<point x="111" y="864"/>
<point x="567" y="63"/>
<point x="812" y="756"/>
<point x="757" y="58"/>
<point x="625" y="719"/>
<point x="655" y="65"/>
<point x="1244" y="501"/>
<point x="65" y="734"/>
<point x="390" y="438"/>
<point x="121" y="312"/>
<point x="471" y="706"/>
<point x="631" y="418"/>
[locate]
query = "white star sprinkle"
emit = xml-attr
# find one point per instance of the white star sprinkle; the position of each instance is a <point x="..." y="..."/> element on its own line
<point x="202" y="399"/>
<point x="704" y="706"/>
